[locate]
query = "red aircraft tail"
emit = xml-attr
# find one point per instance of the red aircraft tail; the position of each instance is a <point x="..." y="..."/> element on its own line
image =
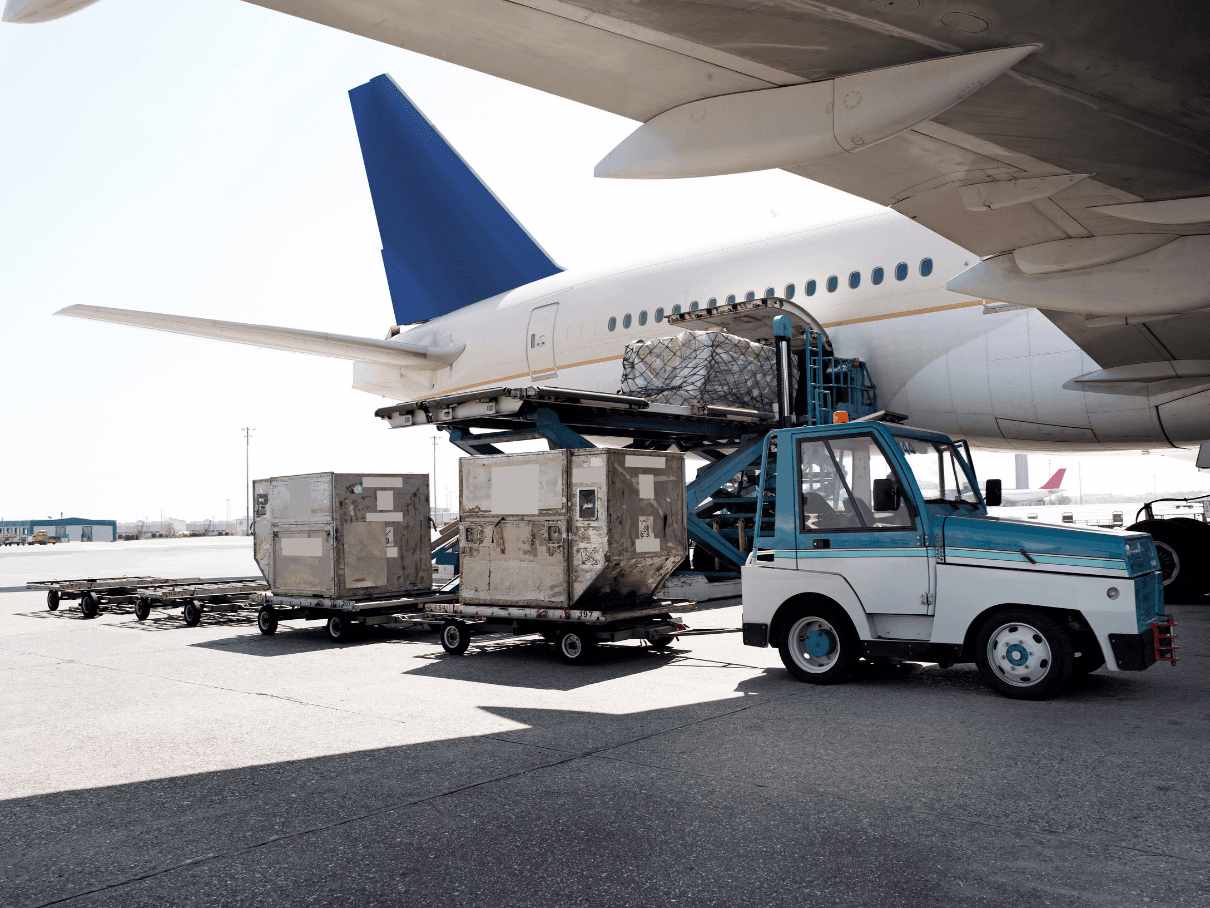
<point x="1055" y="481"/>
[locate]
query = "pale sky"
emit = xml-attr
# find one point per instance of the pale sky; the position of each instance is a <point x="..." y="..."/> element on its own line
<point x="199" y="157"/>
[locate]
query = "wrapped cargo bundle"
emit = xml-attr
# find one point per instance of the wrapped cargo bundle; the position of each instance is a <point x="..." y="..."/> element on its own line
<point x="706" y="367"/>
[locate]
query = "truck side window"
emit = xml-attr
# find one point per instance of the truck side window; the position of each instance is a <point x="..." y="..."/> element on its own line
<point x="768" y="496"/>
<point x="862" y="462"/>
<point x="826" y="504"/>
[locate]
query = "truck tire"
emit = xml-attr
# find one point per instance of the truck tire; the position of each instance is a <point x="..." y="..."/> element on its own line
<point x="574" y="646"/>
<point x="266" y="621"/>
<point x="142" y="609"/>
<point x="192" y="613"/>
<point x="820" y="645"/>
<point x="661" y="642"/>
<point x="1023" y="654"/>
<point x="52" y="599"/>
<point x="1182" y="544"/>
<point x="455" y="638"/>
<point x="89" y="605"/>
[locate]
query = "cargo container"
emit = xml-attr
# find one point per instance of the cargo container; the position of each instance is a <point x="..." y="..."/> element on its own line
<point x="343" y="535"/>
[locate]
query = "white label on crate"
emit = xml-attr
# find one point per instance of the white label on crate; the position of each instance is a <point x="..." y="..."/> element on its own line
<point x="386" y="501"/>
<point x="302" y="546"/>
<point x="646" y="485"/>
<point x="378" y="482"/>
<point x="647" y="545"/>
<point x="299" y="491"/>
<point x="647" y="541"/>
<point x="636" y="460"/>
<point x="392" y="551"/>
<point x="583" y="476"/>
<point x="515" y="489"/>
<point x="385" y="517"/>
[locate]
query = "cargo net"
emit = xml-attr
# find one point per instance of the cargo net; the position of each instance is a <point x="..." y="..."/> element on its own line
<point x="706" y="367"/>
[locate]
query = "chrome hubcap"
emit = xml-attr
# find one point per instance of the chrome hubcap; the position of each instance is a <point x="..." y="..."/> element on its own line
<point x="1020" y="654"/>
<point x="452" y="636"/>
<point x="814" y="644"/>
<point x="1170" y="561"/>
<point x="572" y="646"/>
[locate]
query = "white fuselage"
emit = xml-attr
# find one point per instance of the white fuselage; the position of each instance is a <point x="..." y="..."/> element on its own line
<point x="997" y="380"/>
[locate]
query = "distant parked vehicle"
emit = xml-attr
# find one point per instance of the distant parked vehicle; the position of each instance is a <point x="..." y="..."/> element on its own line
<point x="42" y="538"/>
<point x="14" y="539"/>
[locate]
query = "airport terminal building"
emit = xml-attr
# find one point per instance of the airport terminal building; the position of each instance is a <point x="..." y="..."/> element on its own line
<point x="69" y="529"/>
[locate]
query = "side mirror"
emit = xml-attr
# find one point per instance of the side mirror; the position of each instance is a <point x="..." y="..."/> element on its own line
<point x="991" y="493"/>
<point x="886" y="495"/>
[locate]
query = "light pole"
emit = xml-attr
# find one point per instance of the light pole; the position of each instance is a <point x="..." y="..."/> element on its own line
<point x="248" y="479"/>
<point x="434" y="502"/>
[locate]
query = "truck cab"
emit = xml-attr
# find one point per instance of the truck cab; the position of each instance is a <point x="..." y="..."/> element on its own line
<point x="874" y="541"/>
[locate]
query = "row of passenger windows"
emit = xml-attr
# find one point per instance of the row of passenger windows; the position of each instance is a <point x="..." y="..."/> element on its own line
<point x="877" y="276"/>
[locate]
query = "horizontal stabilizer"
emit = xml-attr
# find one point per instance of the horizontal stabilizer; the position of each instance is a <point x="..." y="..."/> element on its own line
<point x="447" y="241"/>
<point x="295" y="340"/>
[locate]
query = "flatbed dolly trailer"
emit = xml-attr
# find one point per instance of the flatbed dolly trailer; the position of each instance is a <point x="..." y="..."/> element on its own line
<point x="874" y="541"/>
<point x="195" y="597"/>
<point x="574" y="632"/>
<point x="97" y="591"/>
<point x="341" y="616"/>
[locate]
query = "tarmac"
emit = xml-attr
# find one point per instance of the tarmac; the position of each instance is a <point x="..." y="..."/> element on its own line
<point x="149" y="763"/>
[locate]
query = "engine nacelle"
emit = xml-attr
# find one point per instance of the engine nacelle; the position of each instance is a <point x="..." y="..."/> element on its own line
<point x="27" y="11"/>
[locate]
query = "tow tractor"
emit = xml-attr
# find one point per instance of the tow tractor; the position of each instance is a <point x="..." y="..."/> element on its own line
<point x="874" y="541"/>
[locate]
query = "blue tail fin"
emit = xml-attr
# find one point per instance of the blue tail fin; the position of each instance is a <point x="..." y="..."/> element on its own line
<point x="446" y="239"/>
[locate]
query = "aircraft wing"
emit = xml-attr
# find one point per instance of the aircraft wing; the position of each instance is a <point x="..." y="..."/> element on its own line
<point x="1040" y="169"/>
<point x="317" y="343"/>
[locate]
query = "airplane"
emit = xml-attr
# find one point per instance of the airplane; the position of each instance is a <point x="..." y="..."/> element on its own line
<point x="1052" y="488"/>
<point x="479" y="304"/>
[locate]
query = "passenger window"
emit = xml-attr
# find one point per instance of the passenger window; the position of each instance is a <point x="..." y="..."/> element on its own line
<point x="854" y="280"/>
<point x="626" y="320"/>
<point x="750" y="295"/>
<point x="770" y="293"/>
<point x="613" y="322"/>
<point x="659" y="315"/>
<point x="810" y="288"/>
<point x="532" y="338"/>
<point x="862" y="464"/>
<point x="825" y="503"/>
<point x="926" y="267"/>
<point x="876" y="276"/>
<point x="693" y="305"/>
<point x="711" y="303"/>
<point x="833" y="283"/>
<point x="901" y="271"/>
<point x="731" y="300"/>
<point x="790" y="291"/>
<point x="643" y="317"/>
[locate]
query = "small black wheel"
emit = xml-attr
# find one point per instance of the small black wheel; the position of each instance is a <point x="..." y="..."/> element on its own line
<point x="192" y="613"/>
<point x="574" y="646"/>
<point x="89" y="605"/>
<point x="52" y="599"/>
<point x="1179" y="543"/>
<point x="1023" y="654"/>
<point x="339" y="629"/>
<point x="661" y="642"/>
<point x="820" y="645"/>
<point x="455" y="637"/>
<point x="266" y="621"/>
<point x="142" y="609"/>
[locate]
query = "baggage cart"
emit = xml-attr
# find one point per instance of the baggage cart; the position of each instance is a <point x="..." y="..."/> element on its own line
<point x="97" y="591"/>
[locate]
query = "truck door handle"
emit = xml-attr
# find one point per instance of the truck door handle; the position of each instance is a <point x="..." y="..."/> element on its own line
<point x="821" y="543"/>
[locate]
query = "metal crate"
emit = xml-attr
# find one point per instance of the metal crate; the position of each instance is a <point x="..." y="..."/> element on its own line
<point x="580" y="528"/>
<point x="344" y="535"/>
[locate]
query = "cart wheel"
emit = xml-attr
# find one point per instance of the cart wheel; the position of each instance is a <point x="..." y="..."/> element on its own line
<point x="142" y="609"/>
<point x="192" y="613"/>
<point x="339" y="629"/>
<point x="662" y="642"/>
<point x="574" y="647"/>
<point x="52" y="599"/>
<point x="266" y="621"/>
<point x="89" y="605"/>
<point x="455" y="637"/>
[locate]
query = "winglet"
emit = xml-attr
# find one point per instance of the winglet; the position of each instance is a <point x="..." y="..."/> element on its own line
<point x="447" y="241"/>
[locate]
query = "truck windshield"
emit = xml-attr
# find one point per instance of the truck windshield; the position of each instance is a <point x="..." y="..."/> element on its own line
<point x="938" y="471"/>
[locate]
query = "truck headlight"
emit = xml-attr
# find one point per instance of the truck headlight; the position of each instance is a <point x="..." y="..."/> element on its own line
<point x="1112" y="592"/>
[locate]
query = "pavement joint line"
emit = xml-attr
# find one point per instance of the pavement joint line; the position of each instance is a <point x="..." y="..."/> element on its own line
<point x="322" y="827"/>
